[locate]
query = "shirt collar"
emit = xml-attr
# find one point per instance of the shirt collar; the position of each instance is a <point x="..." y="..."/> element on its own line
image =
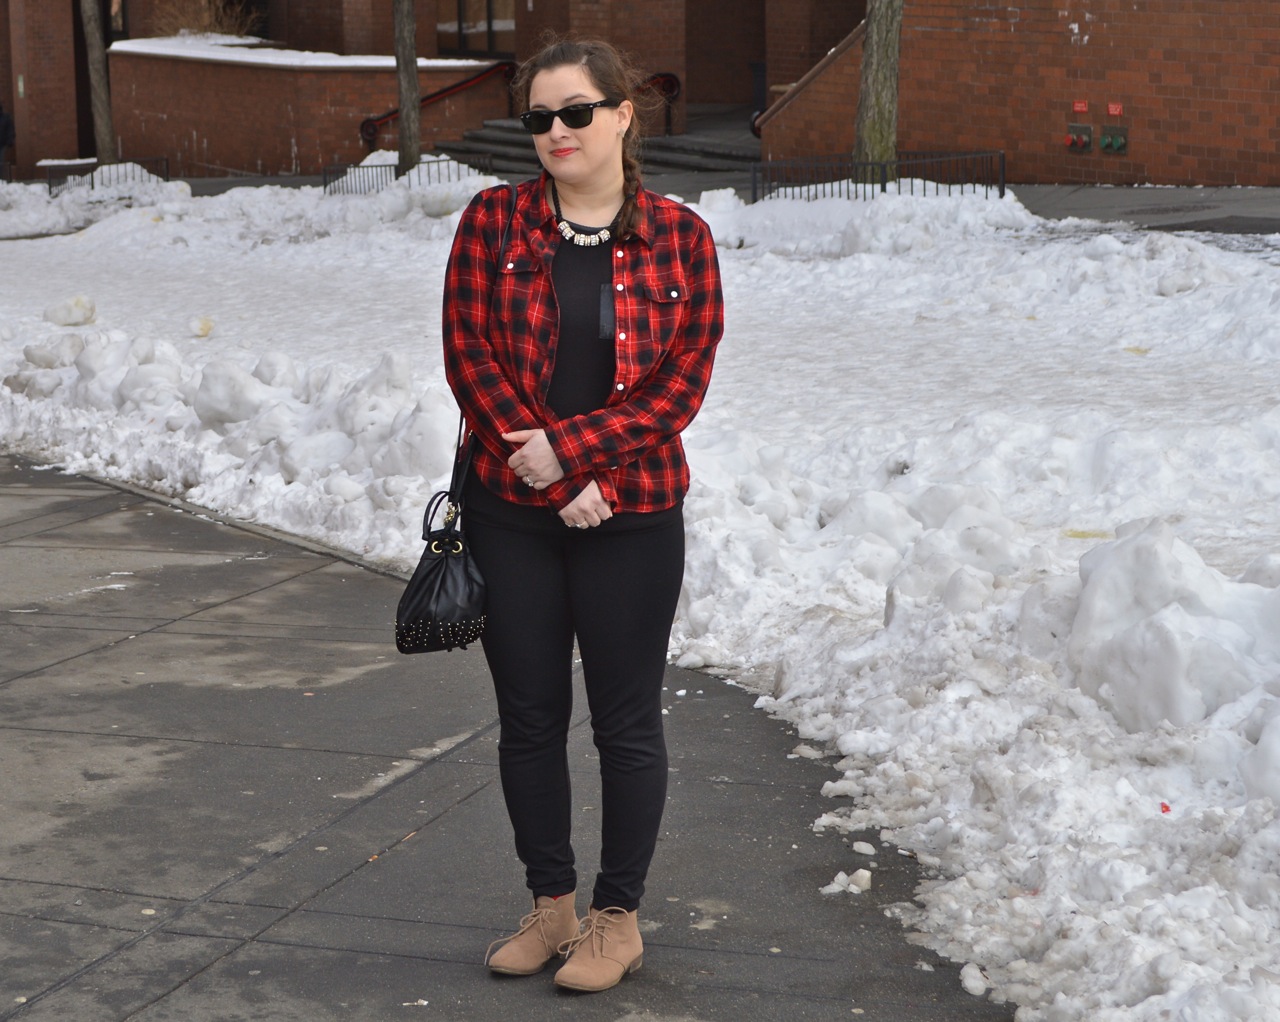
<point x="545" y="215"/>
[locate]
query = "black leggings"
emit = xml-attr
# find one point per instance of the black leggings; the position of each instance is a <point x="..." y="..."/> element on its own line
<point x="615" y="588"/>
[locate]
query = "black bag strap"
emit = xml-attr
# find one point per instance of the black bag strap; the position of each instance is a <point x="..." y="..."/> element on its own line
<point x="466" y="442"/>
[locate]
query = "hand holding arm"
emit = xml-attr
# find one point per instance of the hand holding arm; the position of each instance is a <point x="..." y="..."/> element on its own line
<point x="588" y="508"/>
<point x="535" y="462"/>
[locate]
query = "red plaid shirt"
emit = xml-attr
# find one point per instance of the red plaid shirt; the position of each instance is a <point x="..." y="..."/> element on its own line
<point x="500" y="329"/>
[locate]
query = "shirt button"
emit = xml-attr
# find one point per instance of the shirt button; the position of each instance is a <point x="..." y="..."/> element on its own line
<point x="622" y="336"/>
<point x="619" y="253"/>
<point x="619" y="286"/>
<point x="621" y="386"/>
<point x="511" y="266"/>
<point x="675" y="294"/>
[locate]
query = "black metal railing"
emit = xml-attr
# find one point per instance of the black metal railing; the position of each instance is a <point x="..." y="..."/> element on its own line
<point x="6" y="171"/>
<point x="371" y="127"/>
<point x="88" y="174"/>
<point x="912" y="173"/>
<point x="364" y="179"/>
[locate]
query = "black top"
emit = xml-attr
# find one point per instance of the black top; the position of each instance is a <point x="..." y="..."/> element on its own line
<point x="582" y="276"/>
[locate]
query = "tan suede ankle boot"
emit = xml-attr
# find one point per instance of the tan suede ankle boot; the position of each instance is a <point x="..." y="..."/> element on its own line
<point x="607" y="947"/>
<point x="551" y="923"/>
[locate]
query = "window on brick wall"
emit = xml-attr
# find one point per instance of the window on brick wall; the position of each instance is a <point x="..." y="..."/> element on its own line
<point x="477" y="28"/>
<point x="116" y="27"/>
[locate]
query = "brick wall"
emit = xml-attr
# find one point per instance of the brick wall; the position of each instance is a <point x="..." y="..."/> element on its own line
<point x="652" y="33"/>
<point x="817" y="119"/>
<point x="210" y="117"/>
<point x="326" y="26"/>
<point x="277" y="26"/>
<point x="6" y="59"/>
<point x="362" y="22"/>
<point x="1198" y="91"/>
<point x="546" y="16"/>
<point x="40" y="48"/>
<point x="139" y="16"/>
<point x="800" y="32"/>
<point x="316" y="26"/>
<point x="787" y="55"/>
<point x="722" y="72"/>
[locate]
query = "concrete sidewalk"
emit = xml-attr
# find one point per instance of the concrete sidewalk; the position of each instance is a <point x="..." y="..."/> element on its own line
<point x="227" y="797"/>
<point x="1216" y="210"/>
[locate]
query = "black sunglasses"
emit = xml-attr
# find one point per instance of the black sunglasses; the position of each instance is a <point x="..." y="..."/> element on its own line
<point x="538" y="122"/>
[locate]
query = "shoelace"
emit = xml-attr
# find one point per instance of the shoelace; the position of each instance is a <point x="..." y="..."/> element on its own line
<point x="539" y="917"/>
<point x="593" y="926"/>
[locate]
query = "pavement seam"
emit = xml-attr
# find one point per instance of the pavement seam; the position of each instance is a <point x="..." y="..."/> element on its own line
<point x="217" y="517"/>
<point x="168" y="623"/>
<point x="255" y="528"/>
<point x="65" y="514"/>
<point x="164" y="925"/>
<point x="178" y="740"/>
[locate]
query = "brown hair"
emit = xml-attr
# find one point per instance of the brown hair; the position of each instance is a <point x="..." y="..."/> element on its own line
<point x="614" y="75"/>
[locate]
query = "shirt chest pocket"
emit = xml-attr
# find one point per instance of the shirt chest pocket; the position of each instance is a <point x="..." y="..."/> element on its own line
<point x="663" y="304"/>
<point x="518" y="294"/>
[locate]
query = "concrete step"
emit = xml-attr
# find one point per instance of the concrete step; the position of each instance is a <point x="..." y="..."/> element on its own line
<point x="666" y="159"/>
<point x="708" y="147"/>
<point x="512" y="150"/>
<point x="503" y="161"/>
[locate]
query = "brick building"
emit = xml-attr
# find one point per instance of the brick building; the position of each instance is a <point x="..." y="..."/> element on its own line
<point x="720" y="50"/>
<point x="1193" y="91"/>
<point x="44" y="78"/>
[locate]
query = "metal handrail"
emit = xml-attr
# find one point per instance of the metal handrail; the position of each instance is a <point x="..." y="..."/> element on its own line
<point x="371" y="126"/>
<point x="667" y="85"/>
<point x="842" y="176"/>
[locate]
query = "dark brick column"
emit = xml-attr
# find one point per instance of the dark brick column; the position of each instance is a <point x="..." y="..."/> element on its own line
<point x="43" y="82"/>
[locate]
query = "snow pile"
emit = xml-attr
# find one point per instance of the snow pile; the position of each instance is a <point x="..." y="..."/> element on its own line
<point x="1160" y="636"/>
<point x="1101" y="865"/>
<point x="267" y="214"/>
<point x="983" y="504"/>
<point x="27" y="210"/>
<point x="335" y="456"/>
<point x="212" y="47"/>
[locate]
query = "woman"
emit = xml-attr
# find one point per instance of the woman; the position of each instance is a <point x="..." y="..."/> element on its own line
<point x="578" y="354"/>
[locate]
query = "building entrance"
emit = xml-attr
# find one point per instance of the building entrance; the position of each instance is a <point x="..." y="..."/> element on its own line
<point x="476" y="28"/>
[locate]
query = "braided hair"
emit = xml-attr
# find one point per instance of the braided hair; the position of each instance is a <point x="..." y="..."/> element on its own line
<point x="614" y="75"/>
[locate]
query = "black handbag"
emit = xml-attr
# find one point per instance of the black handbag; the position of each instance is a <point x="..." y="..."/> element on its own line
<point x="443" y="604"/>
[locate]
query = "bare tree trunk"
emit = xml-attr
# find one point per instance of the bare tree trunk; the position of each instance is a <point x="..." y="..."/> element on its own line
<point x="104" y="132"/>
<point x="410" y="91"/>
<point x="876" y="127"/>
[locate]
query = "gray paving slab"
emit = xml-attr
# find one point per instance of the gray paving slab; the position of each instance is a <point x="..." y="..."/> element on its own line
<point x="228" y="798"/>
<point x="245" y="690"/>
<point x="123" y="981"/>
<point x="28" y="647"/>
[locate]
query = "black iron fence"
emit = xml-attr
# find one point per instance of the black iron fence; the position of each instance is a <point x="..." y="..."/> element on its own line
<point x="87" y="174"/>
<point x="364" y="179"/>
<point x="912" y="173"/>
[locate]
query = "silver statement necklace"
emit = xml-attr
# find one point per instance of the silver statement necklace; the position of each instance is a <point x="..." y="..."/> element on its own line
<point x="566" y="228"/>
